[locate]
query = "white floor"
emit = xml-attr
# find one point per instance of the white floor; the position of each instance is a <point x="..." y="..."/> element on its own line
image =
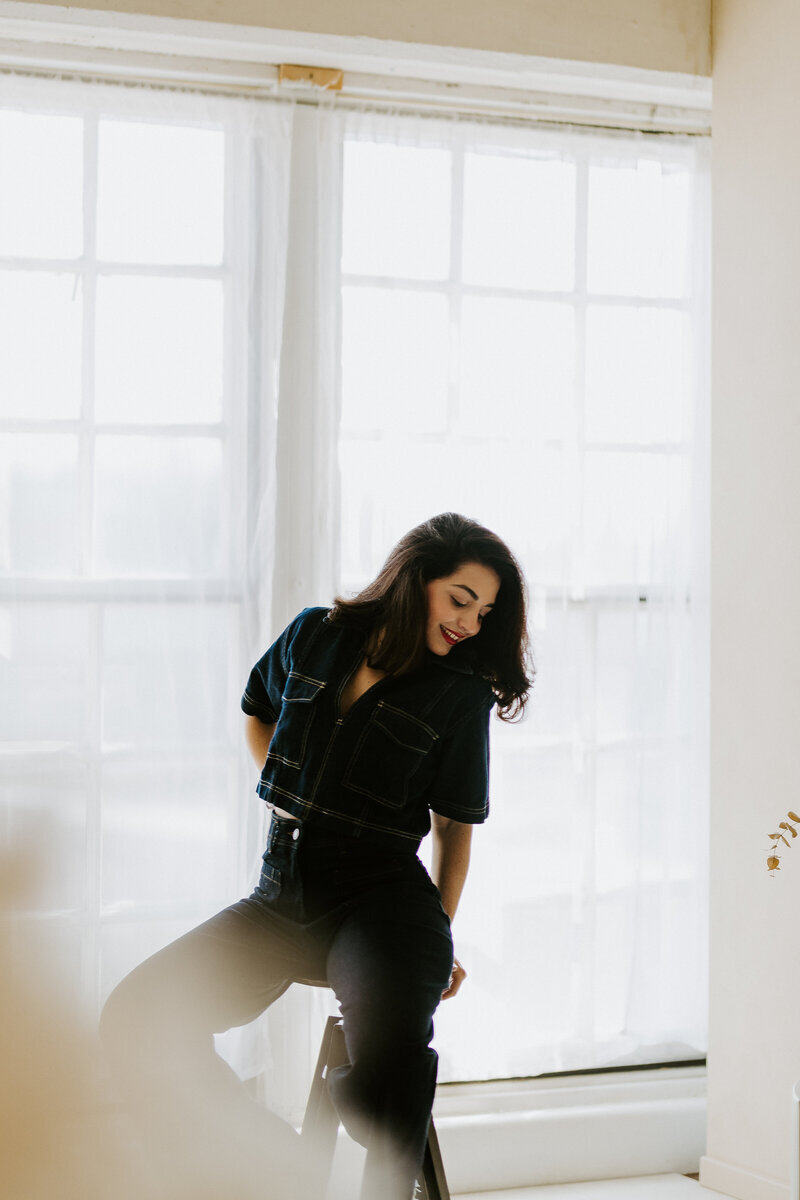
<point x="348" y="1165"/>
<point x="648" y="1187"/>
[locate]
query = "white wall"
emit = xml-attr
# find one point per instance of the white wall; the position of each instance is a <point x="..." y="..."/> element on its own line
<point x="755" y="590"/>
<point x="666" y="35"/>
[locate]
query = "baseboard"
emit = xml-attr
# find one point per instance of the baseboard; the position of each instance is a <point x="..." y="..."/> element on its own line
<point x="740" y="1183"/>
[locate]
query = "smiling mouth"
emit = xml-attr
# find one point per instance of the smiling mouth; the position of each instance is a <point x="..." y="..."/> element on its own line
<point x="451" y="638"/>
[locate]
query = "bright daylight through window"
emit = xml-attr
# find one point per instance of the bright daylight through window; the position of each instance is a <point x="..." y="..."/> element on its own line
<point x="522" y="317"/>
<point x="519" y="319"/>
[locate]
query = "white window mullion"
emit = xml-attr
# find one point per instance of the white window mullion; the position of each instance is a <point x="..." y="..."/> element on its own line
<point x="91" y="916"/>
<point x="576" y="435"/>
<point x="88" y="282"/>
<point x="585" y="821"/>
<point x="244" y="467"/>
<point x="236" y="341"/>
<point x="92" y="866"/>
<point x="585" y="739"/>
<point x="455" y="291"/>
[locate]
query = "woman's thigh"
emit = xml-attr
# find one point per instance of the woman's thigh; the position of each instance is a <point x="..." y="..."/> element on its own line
<point x="389" y="962"/>
<point x="201" y="1130"/>
<point x="221" y="974"/>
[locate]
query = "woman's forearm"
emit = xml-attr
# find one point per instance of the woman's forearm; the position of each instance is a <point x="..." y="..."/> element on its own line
<point x="258" y="737"/>
<point x="450" y="860"/>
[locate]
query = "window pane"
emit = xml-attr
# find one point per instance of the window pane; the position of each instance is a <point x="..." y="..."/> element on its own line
<point x="519" y="216"/>
<point x="636" y="819"/>
<point x="635" y="687"/>
<point x="44" y="656"/>
<point x="165" y="675"/>
<point x="389" y="488"/>
<point x="39" y="515"/>
<point x="124" y="944"/>
<point x="517" y="367"/>
<point x="40" y="363"/>
<point x="158" y="507"/>
<point x="43" y="810"/>
<point x="545" y="926"/>
<point x="395" y="360"/>
<point x="160" y="193"/>
<point x="536" y="800"/>
<point x="397" y="218"/>
<point x="165" y="829"/>
<point x="159" y="350"/>
<point x="636" y="374"/>
<point x="568" y="431"/>
<point x="638" y="229"/>
<point x="559" y="651"/>
<point x="522" y="492"/>
<point x="42" y="159"/>
<point x="633" y="505"/>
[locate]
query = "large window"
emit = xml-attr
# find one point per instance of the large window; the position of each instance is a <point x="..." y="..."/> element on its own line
<point x="249" y="347"/>
<point x="522" y="330"/>
<point x="128" y="389"/>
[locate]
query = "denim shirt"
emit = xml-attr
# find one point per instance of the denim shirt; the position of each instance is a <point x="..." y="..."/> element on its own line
<point x="409" y="744"/>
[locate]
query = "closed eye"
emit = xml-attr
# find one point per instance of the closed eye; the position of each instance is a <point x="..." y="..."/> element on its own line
<point x="458" y="603"/>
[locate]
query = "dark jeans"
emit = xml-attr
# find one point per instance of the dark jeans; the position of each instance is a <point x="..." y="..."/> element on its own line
<point x="370" y="922"/>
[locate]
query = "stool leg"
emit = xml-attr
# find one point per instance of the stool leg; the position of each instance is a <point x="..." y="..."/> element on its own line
<point x="321" y="1121"/>
<point x="433" y="1182"/>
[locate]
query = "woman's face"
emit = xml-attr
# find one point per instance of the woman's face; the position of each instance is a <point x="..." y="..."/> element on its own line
<point x="458" y="603"/>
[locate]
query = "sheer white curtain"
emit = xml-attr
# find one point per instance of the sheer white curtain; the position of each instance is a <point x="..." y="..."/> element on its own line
<point x="522" y="315"/>
<point x="143" y="239"/>
<point x="247" y="347"/>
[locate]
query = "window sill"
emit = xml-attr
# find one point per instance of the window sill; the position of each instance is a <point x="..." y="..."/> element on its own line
<point x="528" y="1132"/>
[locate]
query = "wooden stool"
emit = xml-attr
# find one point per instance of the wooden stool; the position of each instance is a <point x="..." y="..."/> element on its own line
<point x="321" y="1121"/>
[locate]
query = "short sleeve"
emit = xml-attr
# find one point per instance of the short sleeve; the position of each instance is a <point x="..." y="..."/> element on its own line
<point x="461" y="787"/>
<point x="267" y="680"/>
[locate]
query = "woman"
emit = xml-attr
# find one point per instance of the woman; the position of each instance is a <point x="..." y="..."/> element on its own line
<point x="371" y="722"/>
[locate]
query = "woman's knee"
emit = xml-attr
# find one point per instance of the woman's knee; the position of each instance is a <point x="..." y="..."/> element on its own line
<point x="147" y="1011"/>
<point x="382" y="1048"/>
<point x="129" y="1018"/>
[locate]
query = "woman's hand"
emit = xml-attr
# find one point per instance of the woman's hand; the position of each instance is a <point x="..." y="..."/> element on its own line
<point x="449" y="866"/>
<point x="457" y="977"/>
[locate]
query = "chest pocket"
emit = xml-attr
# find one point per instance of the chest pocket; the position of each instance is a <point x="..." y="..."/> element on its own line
<point x="299" y="704"/>
<point x="388" y="753"/>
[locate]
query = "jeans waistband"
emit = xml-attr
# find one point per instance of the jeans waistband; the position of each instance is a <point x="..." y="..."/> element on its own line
<point x="283" y="830"/>
<point x="293" y="832"/>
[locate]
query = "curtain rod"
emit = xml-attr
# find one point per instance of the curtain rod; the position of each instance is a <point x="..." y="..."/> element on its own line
<point x="357" y="91"/>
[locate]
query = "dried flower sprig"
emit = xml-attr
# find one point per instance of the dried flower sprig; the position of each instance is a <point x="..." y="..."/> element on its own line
<point x="774" y="859"/>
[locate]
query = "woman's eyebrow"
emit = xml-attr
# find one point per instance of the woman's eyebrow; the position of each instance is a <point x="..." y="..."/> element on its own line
<point x="473" y="594"/>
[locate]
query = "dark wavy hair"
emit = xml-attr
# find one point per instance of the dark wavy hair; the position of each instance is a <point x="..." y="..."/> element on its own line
<point x="393" y="609"/>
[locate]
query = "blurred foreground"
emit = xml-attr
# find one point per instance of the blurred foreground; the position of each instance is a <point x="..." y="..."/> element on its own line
<point x="64" y="1134"/>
